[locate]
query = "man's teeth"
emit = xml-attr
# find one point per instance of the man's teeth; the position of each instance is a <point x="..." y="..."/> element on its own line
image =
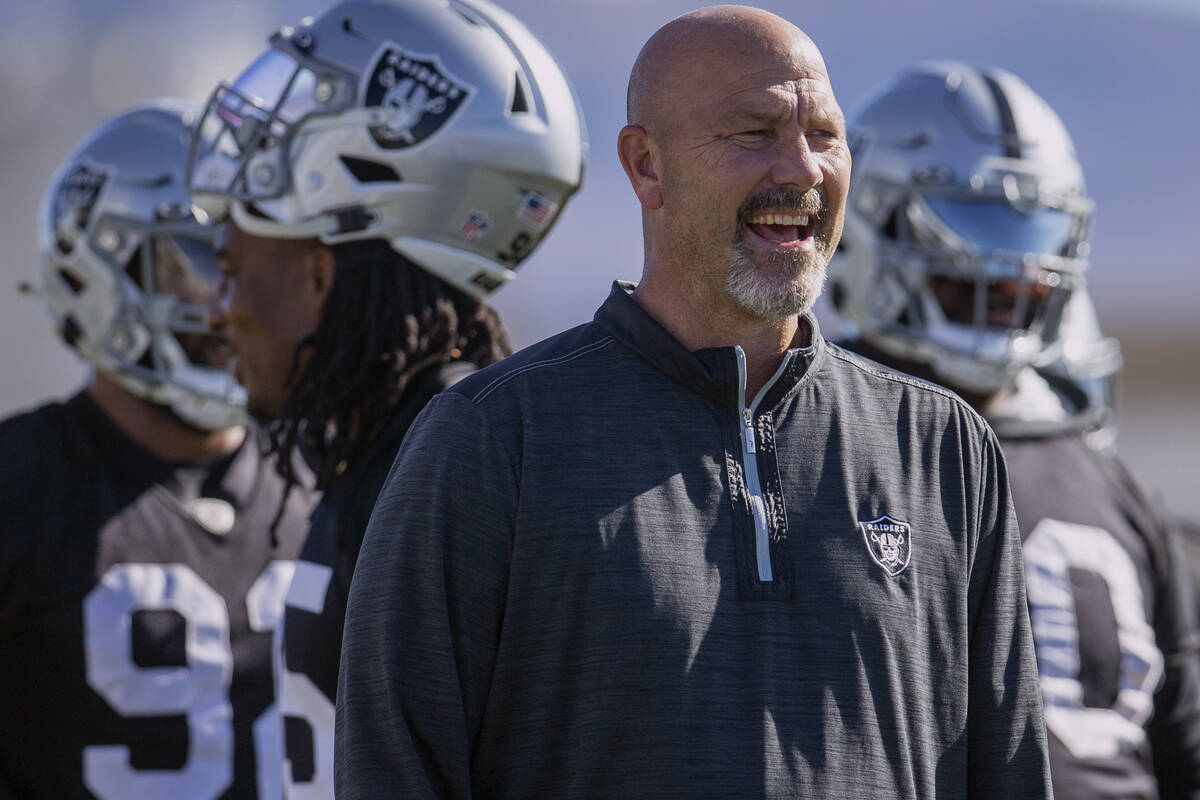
<point x="777" y="219"/>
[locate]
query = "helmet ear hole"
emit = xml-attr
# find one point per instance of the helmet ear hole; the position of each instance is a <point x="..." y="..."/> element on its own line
<point x="367" y="171"/>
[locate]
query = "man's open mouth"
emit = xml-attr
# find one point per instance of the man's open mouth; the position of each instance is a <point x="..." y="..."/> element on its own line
<point x="781" y="228"/>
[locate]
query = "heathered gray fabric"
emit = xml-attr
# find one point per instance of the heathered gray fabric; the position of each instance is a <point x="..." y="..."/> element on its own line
<point x="557" y="598"/>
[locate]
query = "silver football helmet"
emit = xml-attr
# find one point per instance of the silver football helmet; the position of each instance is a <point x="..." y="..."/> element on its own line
<point x="442" y="126"/>
<point x="965" y="225"/>
<point x="127" y="267"/>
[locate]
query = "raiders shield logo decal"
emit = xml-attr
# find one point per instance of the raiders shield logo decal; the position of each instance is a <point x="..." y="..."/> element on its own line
<point x="889" y="541"/>
<point x="417" y="95"/>
<point x="77" y="194"/>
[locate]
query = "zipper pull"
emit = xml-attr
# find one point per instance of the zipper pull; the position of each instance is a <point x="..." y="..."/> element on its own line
<point x="748" y="430"/>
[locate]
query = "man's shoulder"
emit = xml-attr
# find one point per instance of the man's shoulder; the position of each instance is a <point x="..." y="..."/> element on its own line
<point x="883" y="381"/>
<point x="32" y="422"/>
<point x="31" y="442"/>
<point x="37" y="472"/>
<point x="557" y="358"/>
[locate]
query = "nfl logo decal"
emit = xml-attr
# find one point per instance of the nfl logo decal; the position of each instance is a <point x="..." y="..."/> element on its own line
<point x="417" y="95"/>
<point x="889" y="541"/>
<point x="476" y="226"/>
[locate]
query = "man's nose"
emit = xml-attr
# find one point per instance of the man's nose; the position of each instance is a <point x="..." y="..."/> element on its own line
<point x="797" y="164"/>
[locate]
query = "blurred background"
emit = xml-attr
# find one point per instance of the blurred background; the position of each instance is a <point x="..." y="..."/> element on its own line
<point x="1121" y="73"/>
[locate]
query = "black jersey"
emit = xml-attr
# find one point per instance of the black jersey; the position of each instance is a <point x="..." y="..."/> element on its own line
<point x="137" y="605"/>
<point x="316" y="602"/>
<point x="1113" y="622"/>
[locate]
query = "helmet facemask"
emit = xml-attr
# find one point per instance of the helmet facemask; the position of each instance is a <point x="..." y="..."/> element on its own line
<point x="965" y="226"/>
<point x="244" y="143"/>
<point x="973" y="279"/>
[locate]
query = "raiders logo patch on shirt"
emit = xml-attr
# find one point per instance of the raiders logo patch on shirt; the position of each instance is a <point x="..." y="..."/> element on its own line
<point x="889" y="541"/>
<point x="416" y="93"/>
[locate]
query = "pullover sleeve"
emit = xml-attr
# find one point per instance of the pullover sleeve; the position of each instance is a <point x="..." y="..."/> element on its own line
<point x="425" y="609"/>
<point x="1006" y="737"/>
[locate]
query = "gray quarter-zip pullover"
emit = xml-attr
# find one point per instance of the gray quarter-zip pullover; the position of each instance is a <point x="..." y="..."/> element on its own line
<point x="597" y="571"/>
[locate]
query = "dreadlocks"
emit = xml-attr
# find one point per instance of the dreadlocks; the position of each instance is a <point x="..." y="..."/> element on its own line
<point x="384" y="321"/>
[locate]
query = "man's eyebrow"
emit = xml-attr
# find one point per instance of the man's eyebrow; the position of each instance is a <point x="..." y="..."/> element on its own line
<point x="831" y="116"/>
<point x="757" y="111"/>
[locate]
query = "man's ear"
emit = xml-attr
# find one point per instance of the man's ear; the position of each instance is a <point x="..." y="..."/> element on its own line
<point x="320" y="266"/>
<point x="633" y="148"/>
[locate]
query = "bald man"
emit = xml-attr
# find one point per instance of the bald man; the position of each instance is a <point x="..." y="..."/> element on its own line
<point x="691" y="549"/>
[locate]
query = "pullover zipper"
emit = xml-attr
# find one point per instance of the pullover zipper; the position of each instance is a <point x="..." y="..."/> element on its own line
<point x="758" y="505"/>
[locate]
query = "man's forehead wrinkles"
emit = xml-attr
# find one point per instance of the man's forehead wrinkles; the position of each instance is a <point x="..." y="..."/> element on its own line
<point x="781" y="98"/>
<point x="774" y="75"/>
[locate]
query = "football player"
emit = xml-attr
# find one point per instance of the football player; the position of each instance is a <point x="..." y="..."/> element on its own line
<point x="384" y="167"/>
<point x="147" y="545"/>
<point x="963" y="261"/>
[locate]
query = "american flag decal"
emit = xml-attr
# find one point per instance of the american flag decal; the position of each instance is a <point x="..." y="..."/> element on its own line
<point x="536" y="210"/>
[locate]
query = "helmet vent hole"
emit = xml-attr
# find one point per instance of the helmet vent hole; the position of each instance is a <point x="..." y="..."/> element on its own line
<point x="72" y="280"/>
<point x="367" y="171"/>
<point x="519" y="105"/>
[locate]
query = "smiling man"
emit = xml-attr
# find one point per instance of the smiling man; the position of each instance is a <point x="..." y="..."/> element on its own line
<point x="691" y="549"/>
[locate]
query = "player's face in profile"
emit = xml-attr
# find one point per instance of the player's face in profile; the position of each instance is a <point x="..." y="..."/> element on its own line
<point x="756" y="174"/>
<point x="266" y="303"/>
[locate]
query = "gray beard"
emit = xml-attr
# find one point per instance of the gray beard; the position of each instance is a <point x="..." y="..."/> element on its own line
<point x="787" y="287"/>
